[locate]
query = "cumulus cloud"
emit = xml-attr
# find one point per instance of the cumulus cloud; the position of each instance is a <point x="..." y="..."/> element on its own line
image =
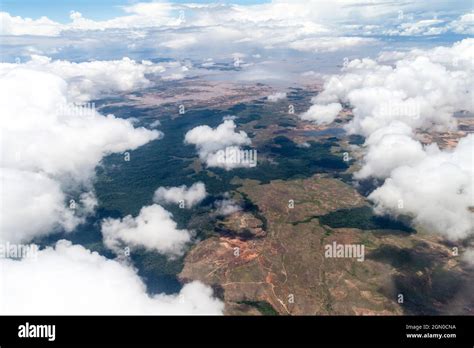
<point x="50" y="150"/>
<point x="438" y="190"/>
<point x="418" y="90"/>
<point x="153" y="229"/>
<point x="322" y="114"/>
<point x="227" y="206"/>
<point x="140" y="15"/>
<point x="276" y="96"/>
<point x="219" y="147"/>
<point x="464" y="24"/>
<point x="32" y="204"/>
<point x="434" y="26"/>
<point x="89" y="80"/>
<point x="421" y="27"/>
<point x="16" y="25"/>
<point x="303" y="25"/>
<point x="69" y="279"/>
<point x="189" y="196"/>
<point x="387" y="149"/>
<point x="423" y="89"/>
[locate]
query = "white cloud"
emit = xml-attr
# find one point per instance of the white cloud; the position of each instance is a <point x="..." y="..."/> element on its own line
<point x="307" y="25"/>
<point x="438" y="190"/>
<point x="330" y="44"/>
<point x="464" y="24"/>
<point x="31" y="205"/>
<point x="153" y="229"/>
<point x="322" y="114"/>
<point x="71" y="280"/>
<point x="389" y="148"/>
<point x="180" y="42"/>
<point x="211" y="143"/>
<point x="89" y="80"/>
<point x="15" y="25"/>
<point x="227" y="206"/>
<point x="316" y="26"/>
<point x="140" y="15"/>
<point x="49" y="150"/>
<point x="276" y="96"/>
<point x="420" y="90"/>
<point x="422" y="27"/>
<point x="189" y="196"/>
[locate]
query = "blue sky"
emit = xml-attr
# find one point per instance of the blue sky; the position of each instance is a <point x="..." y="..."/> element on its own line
<point x="58" y="10"/>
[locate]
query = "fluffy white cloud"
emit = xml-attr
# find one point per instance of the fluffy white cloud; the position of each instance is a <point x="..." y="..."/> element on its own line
<point x="322" y="114"/>
<point x="421" y="89"/>
<point x="140" y="15"/>
<point x="438" y="190"/>
<point x="422" y="27"/>
<point x="219" y="147"/>
<point x="31" y="205"/>
<point x="227" y="206"/>
<point x="312" y="14"/>
<point x="464" y="24"/>
<point x="89" y="80"/>
<point x="153" y="229"/>
<point x="49" y="149"/>
<point x="71" y="280"/>
<point x="305" y="25"/>
<point x="189" y="196"/>
<point x="389" y="148"/>
<point x="276" y="96"/>
<point x="15" y="25"/>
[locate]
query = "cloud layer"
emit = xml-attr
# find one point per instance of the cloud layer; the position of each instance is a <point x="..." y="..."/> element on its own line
<point x="50" y="149"/>
<point x="71" y="280"/>
<point x="437" y="190"/>
<point x="91" y="80"/>
<point x="393" y="98"/>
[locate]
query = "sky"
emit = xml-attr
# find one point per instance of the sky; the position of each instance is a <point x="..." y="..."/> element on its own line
<point x="58" y="10"/>
<point x="84" y="29"/>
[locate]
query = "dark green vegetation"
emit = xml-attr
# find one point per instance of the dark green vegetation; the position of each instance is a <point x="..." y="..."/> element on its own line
<point x="363" y="218"/>
<point x="249" y="206"/>
<point x="158" y="272"/>
<point x="127" y="186"/>
<point x="263" y="307"/>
